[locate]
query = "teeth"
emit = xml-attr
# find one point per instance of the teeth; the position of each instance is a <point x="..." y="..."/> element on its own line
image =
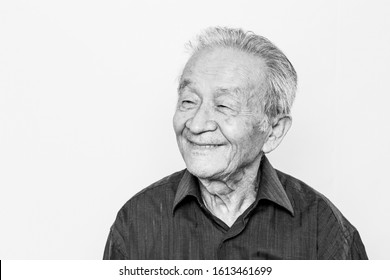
<point x="206" y="146"/>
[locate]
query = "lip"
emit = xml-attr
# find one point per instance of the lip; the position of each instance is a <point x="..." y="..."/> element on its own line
<point x="204" y="145"/>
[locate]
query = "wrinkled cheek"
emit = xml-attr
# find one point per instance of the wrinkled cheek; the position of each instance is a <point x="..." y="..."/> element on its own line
<point x="228" y="121"/>
<point x="179" y="121"/>
<point x="180" y="145"/>
<point x="254" y="146"/>
<point x="233" y="156"/>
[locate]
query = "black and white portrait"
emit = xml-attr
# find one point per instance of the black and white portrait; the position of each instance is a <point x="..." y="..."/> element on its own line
<point x="194" y="130"/>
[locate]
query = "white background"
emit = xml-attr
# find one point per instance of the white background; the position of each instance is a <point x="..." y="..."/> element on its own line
<point x="87" y="95"/>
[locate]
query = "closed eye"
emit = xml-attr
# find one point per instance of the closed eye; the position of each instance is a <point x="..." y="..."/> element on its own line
<point x="187" y="104"/>
<point x="227" y="109"/>
<point x="224" y="107"/>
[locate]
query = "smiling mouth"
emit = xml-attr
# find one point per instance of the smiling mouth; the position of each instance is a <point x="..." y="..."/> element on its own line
<point x="204" y="145"/>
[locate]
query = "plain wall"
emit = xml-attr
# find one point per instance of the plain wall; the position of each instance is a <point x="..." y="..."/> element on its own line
<point x="87" y="95"/>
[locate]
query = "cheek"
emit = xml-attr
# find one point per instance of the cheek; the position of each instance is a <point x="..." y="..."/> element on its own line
<point x="239" y="133"/>
<point x="244" y="136"/>
<point x="256" y="137"/>
<point x="179" y="121"/>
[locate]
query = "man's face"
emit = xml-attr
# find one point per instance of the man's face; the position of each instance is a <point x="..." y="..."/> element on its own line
<point x="218" y="117"/>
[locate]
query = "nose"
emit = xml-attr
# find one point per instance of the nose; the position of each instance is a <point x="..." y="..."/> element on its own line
<point x="202" y="121"/>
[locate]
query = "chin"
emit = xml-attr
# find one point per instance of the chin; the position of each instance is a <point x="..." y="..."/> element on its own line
<point x="204" y="171"/>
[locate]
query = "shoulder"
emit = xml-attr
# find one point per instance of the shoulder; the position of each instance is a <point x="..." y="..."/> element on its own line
<point x="155" y="196"/>
<point x="302" y="195"/>
<point x="133" y="220"/>
<point x="335" y="234"/>
<point x="163" y="185"/>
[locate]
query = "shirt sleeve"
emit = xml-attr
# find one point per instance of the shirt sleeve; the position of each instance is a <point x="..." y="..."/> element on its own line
<point x="114" y="249"/>
<point x="357" y="250"/>
<point x="337" y="238"/>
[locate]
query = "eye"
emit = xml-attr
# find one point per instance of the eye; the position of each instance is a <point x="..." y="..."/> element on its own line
<point x="187" y="104"/>
<point x="224" y="107"/>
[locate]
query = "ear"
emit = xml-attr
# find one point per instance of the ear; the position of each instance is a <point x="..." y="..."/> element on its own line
<point x="276" y="133"/>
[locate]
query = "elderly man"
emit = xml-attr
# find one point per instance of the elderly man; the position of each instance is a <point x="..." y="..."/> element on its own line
<point x="234" y="101"/>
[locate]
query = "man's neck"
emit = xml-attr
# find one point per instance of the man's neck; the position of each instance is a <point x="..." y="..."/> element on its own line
<point x="228" y="199"/>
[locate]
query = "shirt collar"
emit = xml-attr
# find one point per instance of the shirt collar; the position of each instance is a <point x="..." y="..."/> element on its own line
<point x="188" y="186"/>
<point x="270" y="187"/>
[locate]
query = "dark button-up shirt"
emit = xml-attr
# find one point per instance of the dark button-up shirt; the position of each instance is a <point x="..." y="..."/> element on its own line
<point x="288" y="220"/>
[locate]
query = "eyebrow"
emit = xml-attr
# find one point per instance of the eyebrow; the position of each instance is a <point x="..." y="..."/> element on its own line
<point x="183" y="84"/>
<point x="234" y="91"/>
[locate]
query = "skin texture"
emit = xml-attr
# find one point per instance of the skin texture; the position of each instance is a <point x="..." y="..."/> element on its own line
<point x="219" y="125"/>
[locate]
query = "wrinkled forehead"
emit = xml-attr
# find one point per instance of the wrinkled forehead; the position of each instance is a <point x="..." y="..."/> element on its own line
<point x="224" y="68"/>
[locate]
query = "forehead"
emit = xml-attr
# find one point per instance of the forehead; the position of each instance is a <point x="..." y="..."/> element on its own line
<point x="222" y="68"/>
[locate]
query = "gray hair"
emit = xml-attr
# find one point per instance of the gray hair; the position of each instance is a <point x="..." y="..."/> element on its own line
<point x="281" y="78"/>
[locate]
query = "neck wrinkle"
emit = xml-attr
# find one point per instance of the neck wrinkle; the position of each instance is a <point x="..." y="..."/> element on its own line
<point x="233" y="197"/>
